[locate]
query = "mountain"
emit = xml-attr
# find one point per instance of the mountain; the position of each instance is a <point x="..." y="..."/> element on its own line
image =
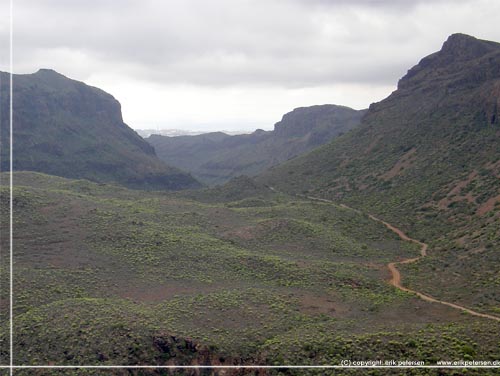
<point x="216" y="157"/>
<point x="427" y="157"/>
<point x="166" y="132"/>
<point x="66" y="128"/>
<point x="144" y="133"/>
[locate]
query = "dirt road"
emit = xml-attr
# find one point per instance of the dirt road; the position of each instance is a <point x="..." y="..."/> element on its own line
<point x="396" y="275"/>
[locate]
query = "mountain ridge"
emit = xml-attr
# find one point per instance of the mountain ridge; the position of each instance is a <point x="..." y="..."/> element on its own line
<point x="427" y="157"/>
<point x="216" y="157"/>
<point x="67" y="128"/>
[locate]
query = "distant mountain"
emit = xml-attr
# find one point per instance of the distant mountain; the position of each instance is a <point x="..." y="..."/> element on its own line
<point x="427" y="157"/>
<point x="66" y="128"/>
<point x="217" y="157"/>
<point x="144" y="133"/>
<point x="166" y="132"/>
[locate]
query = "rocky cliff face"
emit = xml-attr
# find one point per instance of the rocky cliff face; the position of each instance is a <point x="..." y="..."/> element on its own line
<point x="215" y="158"/>
<point x="66" y="128"/>
<point x="464" y="72"/>
<point x="459" y="56"/>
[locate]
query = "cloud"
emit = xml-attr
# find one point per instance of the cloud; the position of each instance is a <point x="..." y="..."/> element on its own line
<point x="240" y="44"/>
<point x="293" y="43"/>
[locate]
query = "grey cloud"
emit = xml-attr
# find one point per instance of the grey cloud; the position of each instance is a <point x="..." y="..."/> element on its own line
<point x="227" y="42"/>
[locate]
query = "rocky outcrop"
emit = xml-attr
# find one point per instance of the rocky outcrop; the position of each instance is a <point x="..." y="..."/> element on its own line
<point x="176" y="351"/>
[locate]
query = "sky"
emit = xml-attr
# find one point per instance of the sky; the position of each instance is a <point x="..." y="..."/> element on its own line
<point x="235" y="64"/>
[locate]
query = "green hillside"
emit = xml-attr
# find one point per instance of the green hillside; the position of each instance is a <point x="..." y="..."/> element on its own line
<point x="66" y="128"/>
<point x="427" y="158"/>
<point x="215" y="158"/>
<point x="116" y="276"/>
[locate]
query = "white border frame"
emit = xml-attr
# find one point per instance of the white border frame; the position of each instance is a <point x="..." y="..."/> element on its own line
<point x="11" y="190"/>
<point x="11" y="365"/>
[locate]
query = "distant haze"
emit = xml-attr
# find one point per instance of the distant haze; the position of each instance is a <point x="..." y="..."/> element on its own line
<point x="180" y="132"/>
<point x="236" y="65"/>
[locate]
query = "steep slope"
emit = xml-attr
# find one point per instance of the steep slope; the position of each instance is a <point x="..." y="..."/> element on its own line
<point x="66" y="128"/>
<point x="216" y="157"/>
<point x="427" y="158"/>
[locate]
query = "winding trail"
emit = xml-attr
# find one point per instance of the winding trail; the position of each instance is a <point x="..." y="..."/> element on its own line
<point x="395" y="274"/>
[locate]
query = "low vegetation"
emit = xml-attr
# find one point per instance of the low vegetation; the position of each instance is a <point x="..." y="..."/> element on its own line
<point x="106" y="275"/>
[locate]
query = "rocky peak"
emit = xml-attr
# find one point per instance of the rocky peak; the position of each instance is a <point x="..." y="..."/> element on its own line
<point x="460" y="55"/>
<point x="302" y="120"/>
<point x="464" y="47"/>
<point x="47" y="71"/>
<point x="51" y="77"/>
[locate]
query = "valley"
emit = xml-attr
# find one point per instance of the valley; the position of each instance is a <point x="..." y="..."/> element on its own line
<point x="270" y="279"/>
<point x="341" y="235"/>
<point x="214" y="158"/>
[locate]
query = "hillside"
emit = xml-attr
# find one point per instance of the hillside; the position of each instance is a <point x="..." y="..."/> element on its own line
<point x="427" y="157"/>
<point x="109" y="276"/>
<point x="66" y="128"/>
<point x="215" y="158"/>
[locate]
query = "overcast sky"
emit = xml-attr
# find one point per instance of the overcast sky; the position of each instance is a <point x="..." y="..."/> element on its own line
<point x="236" y="64"/>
